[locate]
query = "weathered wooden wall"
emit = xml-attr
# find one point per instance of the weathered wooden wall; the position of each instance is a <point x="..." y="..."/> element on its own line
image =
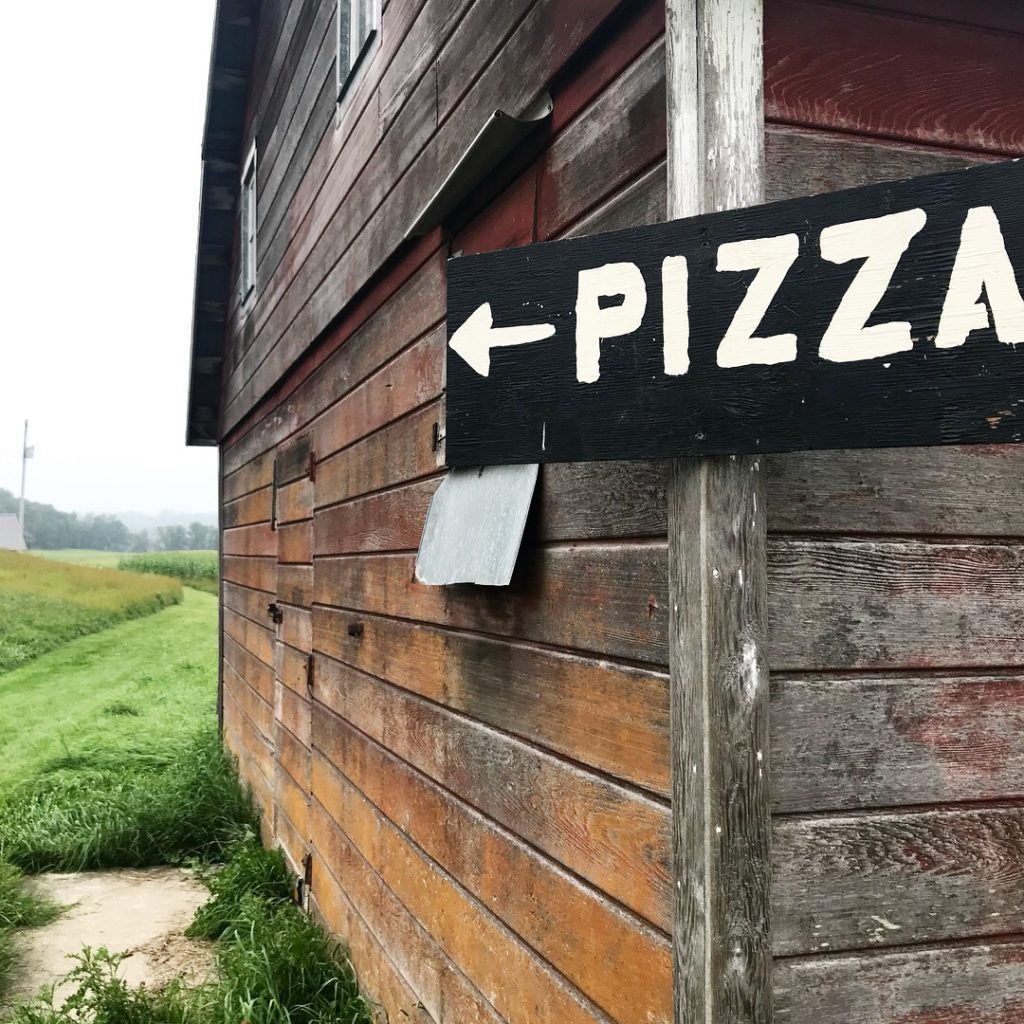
<point x="482" y="775"/>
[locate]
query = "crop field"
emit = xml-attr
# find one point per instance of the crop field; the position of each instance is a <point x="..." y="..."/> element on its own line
<point x="44" y="604"/>
<point x="198" y="569"/>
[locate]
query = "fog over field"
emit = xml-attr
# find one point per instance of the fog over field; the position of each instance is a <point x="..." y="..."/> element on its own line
<point x="98" y="261"/>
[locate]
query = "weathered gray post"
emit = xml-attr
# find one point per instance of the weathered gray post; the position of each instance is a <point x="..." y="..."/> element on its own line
<point x="717" y="585"/>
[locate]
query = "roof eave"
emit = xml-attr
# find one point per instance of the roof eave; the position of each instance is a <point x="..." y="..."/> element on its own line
<point x="234" y="33"/>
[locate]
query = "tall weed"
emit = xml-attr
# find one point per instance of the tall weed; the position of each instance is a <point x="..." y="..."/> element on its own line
<point x="116" y="810"/>
<point x="273" y="966"/>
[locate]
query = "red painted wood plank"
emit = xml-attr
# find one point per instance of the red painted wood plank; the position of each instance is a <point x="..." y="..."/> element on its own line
<point x="573" y="816"/>
<point x="875" y="73"/>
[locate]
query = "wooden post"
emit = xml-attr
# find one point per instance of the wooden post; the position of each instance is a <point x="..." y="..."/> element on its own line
<point x="717" y="587"/>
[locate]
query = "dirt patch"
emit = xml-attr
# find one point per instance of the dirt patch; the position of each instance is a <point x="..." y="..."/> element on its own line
<point x="143" y="913"/>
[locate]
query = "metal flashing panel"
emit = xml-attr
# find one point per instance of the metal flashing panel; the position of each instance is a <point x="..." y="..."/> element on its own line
<point x="501" y="135"/>
<point x="475" y="526"/>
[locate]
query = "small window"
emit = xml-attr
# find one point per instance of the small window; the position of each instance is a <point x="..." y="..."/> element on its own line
<point x="358" y="22"/>
<point x="248" y="226"/>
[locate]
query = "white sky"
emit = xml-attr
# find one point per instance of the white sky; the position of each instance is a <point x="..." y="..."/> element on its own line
<point x="102" y="108"/>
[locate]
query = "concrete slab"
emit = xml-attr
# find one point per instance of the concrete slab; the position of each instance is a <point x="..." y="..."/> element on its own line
<point x="140" y="912"/>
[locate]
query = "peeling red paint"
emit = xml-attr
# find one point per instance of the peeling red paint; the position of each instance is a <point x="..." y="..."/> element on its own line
<point x="1009" y="1013"/>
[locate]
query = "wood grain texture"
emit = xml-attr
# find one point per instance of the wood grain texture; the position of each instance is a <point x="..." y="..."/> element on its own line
<point x="402" y="307"/>
<point x="295" y="501"/>
<point x="250" y="540"/>
<point x="507" y="972"/>
<point x="303" y="115"/>
<point x="717" y="589"/>
<point x="905" y="604"/>
<point x="434" y="23"/>
<point x="254" y="638"/>
<point x="316" y="185"/>
<point x="257" y="674"/>
<point x="571" y="815"/>
<point x="841" y="742"/>
<point x="403" y="451"/>
<point x="249" y="509"/>
<point x="290" y="841"/>
<point x="244" y="477"/>
<point x="970" y="491"/>
<point x="336" y="165"/>
<point x="437" y="989"/>
<point x="260" y="573"/>
<point x="589" y="940"/>
<point x="255" y="761"/>
<point x="291" y="800"/>
<point x="295" y="542"/>
<point x="390" y="520"/>
<point x="256" y="710"/>
<point x="547" y="37"/>
<point x="979" y="984"/>
<point x="606" y="599"/>
<point x="1004" y="15"/>
<point x="370" y="950"/>
<point x="610" y="717"/>
<point x="295" y="585"/>
<point x="622" y="133"/>
<point x="253" y="604"/>
<point x="290" y="669"/>
<point x="292" y="710"/>
<point x="798" y="163"/>
<point x="622" y="40"/>
<point x="900" y="878"/>
<point x="296" y="628"/>
<point x="407" y="382"/>
<point x="291" y="752"/>
<point x="293" y="460"/>
<point x="507" y="220"/>
<point x="874" y="73"/>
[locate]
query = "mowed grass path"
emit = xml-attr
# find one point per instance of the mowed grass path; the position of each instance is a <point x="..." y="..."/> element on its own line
<point x="143" y="686"/>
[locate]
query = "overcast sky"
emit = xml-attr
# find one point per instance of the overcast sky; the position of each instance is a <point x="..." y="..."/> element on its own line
<point x="102" y="108"/>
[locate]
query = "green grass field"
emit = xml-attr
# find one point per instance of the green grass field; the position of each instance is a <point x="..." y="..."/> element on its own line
<point x="82" y="556"/>
<point x="44" y="604"/>
<point x="109" y="755"/>
<point x="141" y="685"/>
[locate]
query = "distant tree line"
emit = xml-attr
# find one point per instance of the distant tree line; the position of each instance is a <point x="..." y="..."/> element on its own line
<point x="48" y="529"/>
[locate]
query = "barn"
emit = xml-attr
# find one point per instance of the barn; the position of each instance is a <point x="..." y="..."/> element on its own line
<point x="476" y="782"/>
<point x="11" y="536"/>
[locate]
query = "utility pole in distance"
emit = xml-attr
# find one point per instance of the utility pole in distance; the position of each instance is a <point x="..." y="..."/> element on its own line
<point x="26" y="454"/>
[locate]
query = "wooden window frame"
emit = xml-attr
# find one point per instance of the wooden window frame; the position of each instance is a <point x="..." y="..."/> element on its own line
<point x="351" y="51"/>
<point x="249" y="225"/>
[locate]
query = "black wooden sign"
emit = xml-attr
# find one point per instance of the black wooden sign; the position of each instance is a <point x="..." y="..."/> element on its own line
<point x="883" y="316"/>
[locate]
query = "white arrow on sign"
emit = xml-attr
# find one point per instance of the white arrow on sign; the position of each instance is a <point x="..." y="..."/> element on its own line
<point x="478" y="335"/>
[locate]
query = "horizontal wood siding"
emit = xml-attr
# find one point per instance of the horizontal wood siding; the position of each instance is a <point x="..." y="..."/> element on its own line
<point x="481" y="774"/>
<point x="894" y="582"/>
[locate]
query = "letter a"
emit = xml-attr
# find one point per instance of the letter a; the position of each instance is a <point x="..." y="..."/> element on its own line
<point x="981" y="262"/>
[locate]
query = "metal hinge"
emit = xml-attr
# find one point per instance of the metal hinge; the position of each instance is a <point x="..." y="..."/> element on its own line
<point x="310" y="673"/>
<point x="307" y="879"/>
<point x="438" y="438"/>
<point x="276" y="613"/>
<point x="311" y="470"/>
